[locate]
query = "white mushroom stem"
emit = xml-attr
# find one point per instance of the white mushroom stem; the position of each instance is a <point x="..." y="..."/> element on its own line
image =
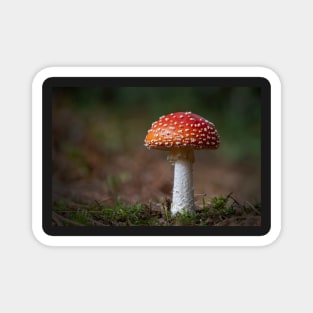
<point x="183" y="198"/>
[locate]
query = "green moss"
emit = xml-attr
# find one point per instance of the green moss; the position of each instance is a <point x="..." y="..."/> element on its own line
<point x="213" y="211"/>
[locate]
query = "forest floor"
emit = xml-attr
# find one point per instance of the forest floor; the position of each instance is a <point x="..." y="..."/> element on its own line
<point x="104" y="176"/>
<point x="136" y="190"/>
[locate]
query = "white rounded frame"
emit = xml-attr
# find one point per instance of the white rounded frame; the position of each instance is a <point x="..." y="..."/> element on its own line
<point x="263" y="72"/>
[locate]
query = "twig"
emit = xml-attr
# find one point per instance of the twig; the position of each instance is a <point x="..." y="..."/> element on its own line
<point x="95" y="222"/>
<point x="75" y="210"/>
<point x="99" y="203"/>
<point x="56" y="220"/>
<point x="64" y="219"/>
<point x="253" y="208"/>
<point x="240" y="205"/>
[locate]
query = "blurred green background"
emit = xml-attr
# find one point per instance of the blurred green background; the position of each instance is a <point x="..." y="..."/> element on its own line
<point x="98" y="137"/>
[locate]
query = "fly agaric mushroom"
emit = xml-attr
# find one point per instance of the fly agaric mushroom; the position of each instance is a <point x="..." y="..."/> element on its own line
<point x="181" y="133"/>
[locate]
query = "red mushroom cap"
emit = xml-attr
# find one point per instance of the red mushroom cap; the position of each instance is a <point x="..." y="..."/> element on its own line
<point x="182" y="129"/>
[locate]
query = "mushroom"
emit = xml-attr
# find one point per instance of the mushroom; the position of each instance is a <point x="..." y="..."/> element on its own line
<point x="181" y="133"/>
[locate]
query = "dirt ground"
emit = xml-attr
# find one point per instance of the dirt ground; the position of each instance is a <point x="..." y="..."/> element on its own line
<point x="147" y="177"/>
